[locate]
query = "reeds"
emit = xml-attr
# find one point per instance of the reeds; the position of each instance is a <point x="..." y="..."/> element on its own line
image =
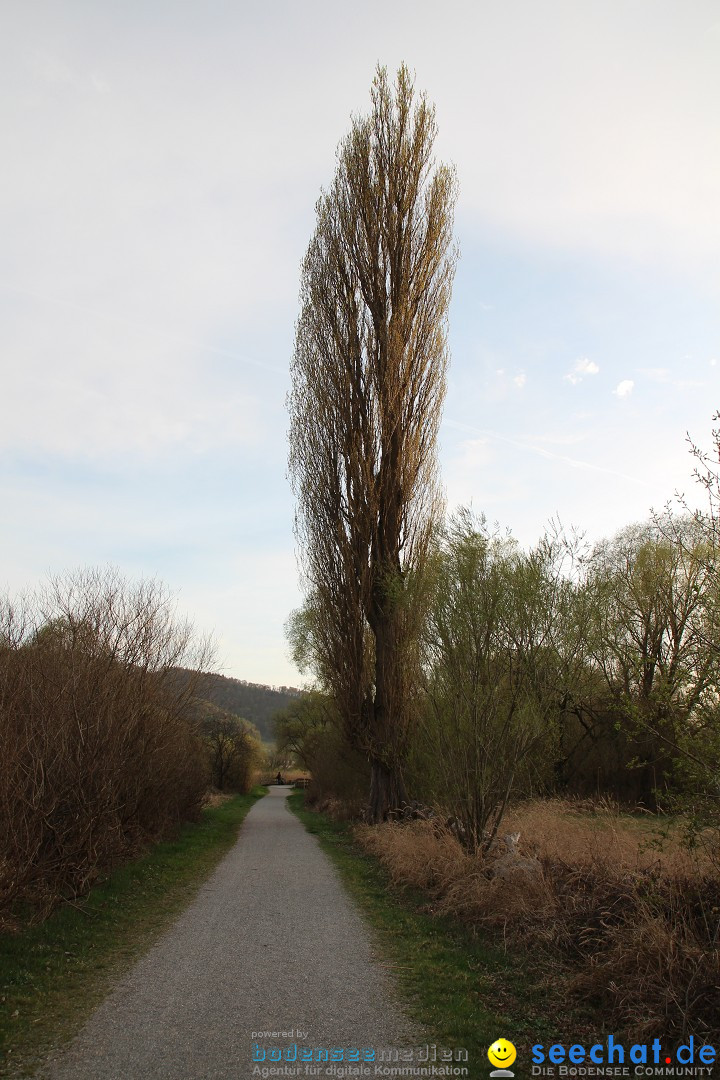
<point x="633" y="916"/>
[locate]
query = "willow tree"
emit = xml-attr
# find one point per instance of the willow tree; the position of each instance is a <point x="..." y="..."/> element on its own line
<point x="368" y="383"/>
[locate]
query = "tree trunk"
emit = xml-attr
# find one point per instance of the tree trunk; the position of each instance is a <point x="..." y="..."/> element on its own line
<point x="387" y="792"/>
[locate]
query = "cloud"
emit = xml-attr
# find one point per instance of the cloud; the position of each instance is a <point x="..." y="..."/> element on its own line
<point x="583" y="366"/>
<point x="159" y="184"/>
<point x="713" y="362"/>
<point x="472" y="446"/>
<point x="624" y="389"/>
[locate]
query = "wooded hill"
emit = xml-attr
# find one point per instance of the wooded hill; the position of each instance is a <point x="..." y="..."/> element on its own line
<point x="251" y="701"/>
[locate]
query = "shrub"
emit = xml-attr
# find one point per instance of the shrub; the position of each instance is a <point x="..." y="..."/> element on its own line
<point x="99" y="756"/>
<point x="234" y="748"/>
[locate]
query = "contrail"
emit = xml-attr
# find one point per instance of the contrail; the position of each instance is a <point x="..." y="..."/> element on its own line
<point x="574" y="463"/>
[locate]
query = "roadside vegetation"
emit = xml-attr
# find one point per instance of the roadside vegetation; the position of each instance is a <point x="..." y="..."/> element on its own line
<point x="106" y="747"/>
<point x="627" y="921"/>
<point x="562" y="776"/>
<point x="561" y="771"/>
<point x="54" y="973"/>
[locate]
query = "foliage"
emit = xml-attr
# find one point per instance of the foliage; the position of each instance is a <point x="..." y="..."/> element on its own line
<point x="562" y="669"/>
<point x="234" y="746"/>
<point x="654" y="644"/>
<point x="707" y="474"/>
<point x="298" y="726"/>
<point x="311" y="730"/>
<point x="499" y="652"/>
<point x="699" y="759"/>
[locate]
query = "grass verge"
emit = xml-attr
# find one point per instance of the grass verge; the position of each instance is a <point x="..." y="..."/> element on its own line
<point x="54" y="973"/>
<point x="464" y="990"/>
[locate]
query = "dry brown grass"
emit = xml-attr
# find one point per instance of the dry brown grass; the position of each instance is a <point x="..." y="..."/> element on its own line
<point x="634" y="917"/>
<point x="216" y="798"/>
<point x="335" y="807"/>
<point x="592" y="832"/>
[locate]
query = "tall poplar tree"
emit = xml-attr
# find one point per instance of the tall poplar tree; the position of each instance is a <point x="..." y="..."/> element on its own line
<point x="368" y="383"/>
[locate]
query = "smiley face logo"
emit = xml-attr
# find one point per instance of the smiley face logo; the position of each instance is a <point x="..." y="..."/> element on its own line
<point x="502" y="1053"/>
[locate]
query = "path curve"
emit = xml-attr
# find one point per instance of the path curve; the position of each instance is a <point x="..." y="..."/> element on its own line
<point x="271" y="943"/>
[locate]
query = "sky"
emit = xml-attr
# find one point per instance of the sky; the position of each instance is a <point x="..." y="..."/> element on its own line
<point x="160" y="168"/>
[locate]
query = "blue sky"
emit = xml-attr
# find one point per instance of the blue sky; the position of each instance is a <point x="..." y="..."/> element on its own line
<point x="161" y="166"/>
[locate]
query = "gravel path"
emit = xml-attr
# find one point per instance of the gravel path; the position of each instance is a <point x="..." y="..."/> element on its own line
<point x="271" y="944"/>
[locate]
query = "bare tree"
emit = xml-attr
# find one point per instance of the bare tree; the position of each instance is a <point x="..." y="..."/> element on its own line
<point x="368" y="385"/>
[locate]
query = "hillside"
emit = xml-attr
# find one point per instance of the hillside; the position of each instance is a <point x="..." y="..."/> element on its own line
<point x="252" y="701"/>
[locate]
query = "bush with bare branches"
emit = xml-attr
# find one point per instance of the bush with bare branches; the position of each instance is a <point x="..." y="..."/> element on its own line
<point x="99" y="755"/>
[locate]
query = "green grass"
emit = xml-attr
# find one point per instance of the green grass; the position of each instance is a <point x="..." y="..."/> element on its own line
<point x="54" y="973"/>
<point x="463" y="990"/>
